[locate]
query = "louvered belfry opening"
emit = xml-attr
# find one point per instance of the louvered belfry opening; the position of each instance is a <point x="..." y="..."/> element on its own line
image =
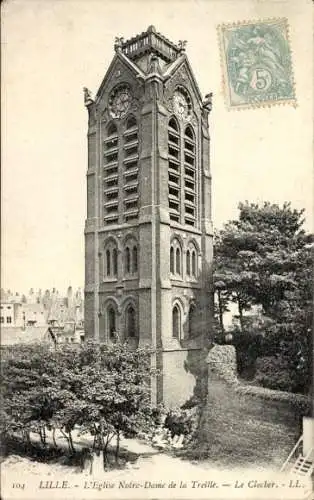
<point x="189" y="177"/>
<point x="111" y="175"/>
<point x="131" y="171"/>
<point x="174" y="170"/>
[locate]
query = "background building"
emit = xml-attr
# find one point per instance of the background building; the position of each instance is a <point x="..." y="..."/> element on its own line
<point x="31" y="315"/>
<point x="26" y="316"/>
<point x="8" y="313"/>
<point x="148" y="234"/>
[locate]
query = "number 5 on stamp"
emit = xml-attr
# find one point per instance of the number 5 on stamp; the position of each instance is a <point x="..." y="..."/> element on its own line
<point x="256" y="62"/>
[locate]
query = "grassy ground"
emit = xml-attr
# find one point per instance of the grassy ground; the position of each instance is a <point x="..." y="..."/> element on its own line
<point x="240" y="430"/>
<point x="236" y="431"/>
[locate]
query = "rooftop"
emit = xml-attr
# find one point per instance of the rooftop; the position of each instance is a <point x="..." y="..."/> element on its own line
<point x="31" y="335"/>
<point x="150" y="41"/>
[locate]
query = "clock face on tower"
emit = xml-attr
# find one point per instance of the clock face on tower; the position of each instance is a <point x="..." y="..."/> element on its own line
<point x="181" y="105"/>
<point x="119" y="102"/>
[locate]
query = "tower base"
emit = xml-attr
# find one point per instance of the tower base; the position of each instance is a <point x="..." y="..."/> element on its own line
<point x="184" y="377"/>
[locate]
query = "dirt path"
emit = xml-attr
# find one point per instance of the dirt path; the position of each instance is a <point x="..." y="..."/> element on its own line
<point x="151" y="474"/>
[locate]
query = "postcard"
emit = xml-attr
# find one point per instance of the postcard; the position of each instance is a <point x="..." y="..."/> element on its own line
<point x="157" y="255"/>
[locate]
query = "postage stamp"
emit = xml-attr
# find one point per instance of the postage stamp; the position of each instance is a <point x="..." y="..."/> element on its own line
<point x="257" y="63"/>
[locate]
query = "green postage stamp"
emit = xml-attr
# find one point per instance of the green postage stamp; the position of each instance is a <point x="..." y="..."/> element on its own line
<point x="257" y="64"/>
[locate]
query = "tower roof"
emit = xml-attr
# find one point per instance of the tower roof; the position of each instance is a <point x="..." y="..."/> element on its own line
<point x="150" y="42"/>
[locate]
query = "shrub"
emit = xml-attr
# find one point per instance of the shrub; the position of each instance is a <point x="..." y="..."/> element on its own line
<point x="180" y="421"/>
<point x="273" y="372"/>
<point x="103" y="390"/>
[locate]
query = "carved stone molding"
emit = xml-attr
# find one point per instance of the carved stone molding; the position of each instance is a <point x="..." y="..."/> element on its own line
<point x="92" y="115"/>
<point x="182" y="74"/>
<point x="180" y="81"/>
<point x="181" y="78"/>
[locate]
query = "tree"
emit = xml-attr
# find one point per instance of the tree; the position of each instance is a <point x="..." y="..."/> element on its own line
<point x="264" y="259"/>
<point x="32" y="390"/>
<point x="100" y="389"/>
<point x="117" y="389"/>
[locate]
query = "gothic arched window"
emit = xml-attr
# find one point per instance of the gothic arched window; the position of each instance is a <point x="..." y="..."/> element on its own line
<point x="176" y="322"/>
<point x="193" y="264"/>
<point x="110" y="176"/>
<point x="189" y="132"/>
<point x="182" y="168"/>
<point x="115" y="261"/>
<point x="173" y="124"/>
<point x="191" y="260"/>
<point x="130" y="320"/>
<point x="111" y="322"/>
<point x="108" y="263"/>
<point x="174" y="170"/>
<point x="130" y="256"/>
<point x="130" y="170"/>
<point x="134" y="259"/>
<point x="175" y="258"/>
<point x="188" y="263"/>
<point x="178" y="261"/>
<point x="189" y="154"/>
<point x="127" y="261"/>
<point x="111" y="260"/>
<point x="172" y="260"/>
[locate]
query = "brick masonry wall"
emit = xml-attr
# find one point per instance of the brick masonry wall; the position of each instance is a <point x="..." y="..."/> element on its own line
<point x="89" y="315"/>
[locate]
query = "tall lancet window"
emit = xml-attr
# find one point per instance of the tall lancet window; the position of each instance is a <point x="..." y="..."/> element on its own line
<point x="111" y="260"/>
<point x="174" y="170"/>
<point x="191" y="261"/>
<point x="108" y="263"/>
<point x="171" y="260"/>
<point x="134" y="259"/>
<point x="130" y="170"/>
<point x="130" y="258"/>
<point x="130" y="322"/>
<point x="178" y="261"/>
<point x="127" y="262"/>
<point x="175" y="259"/>
<point x="115" y="261"/>
<point x="189" y="177"/>
<point x="111" y="322"/>
<point x="176" y="322"/>
<point x="188" y="263"/>
<point x="110" y="175"/>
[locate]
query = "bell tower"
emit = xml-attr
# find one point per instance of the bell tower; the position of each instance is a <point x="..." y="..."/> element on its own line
<point x="148" y="232"/>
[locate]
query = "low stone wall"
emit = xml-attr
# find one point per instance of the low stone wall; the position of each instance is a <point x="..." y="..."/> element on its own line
<point x="222" y="363"/>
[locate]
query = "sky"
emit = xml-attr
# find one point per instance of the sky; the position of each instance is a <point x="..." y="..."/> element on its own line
<point x="51" y="49"/>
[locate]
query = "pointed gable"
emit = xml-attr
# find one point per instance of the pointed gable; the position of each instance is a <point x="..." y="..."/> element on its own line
<point x="121" y="67"/>
<point x="179" y="72"/>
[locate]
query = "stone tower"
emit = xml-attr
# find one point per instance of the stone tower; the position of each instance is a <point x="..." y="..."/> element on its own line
<point x="148" y="233"/>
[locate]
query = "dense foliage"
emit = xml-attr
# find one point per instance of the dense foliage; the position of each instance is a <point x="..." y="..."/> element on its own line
<point x="102" y="390"/>
<point x="263" y="263"/>
<point x="182" y="421"/>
